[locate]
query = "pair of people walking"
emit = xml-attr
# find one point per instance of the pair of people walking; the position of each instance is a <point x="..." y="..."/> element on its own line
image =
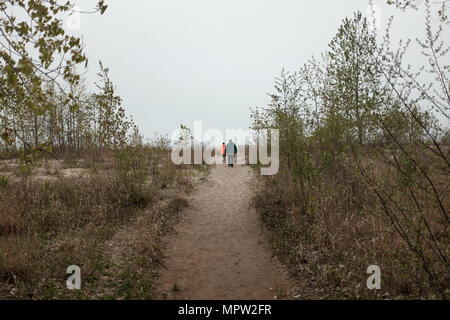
<point x="228" y="151"/>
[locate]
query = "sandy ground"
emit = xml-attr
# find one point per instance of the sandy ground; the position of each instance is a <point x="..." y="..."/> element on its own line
<point x="218" y="250"/>
<point x="51" y="170"/>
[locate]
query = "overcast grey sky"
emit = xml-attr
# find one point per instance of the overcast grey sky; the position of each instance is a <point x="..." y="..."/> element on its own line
<point x="176" y="61"/>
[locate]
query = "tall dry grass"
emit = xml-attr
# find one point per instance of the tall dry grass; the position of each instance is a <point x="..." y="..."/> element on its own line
<point x="331" y="228"/>
<point x="51" y="221"/>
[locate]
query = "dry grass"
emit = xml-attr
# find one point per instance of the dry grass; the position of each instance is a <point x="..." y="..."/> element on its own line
<point x="53" y="220"/>
<point x="45" y="226"/>
<point x="331" y="229"/>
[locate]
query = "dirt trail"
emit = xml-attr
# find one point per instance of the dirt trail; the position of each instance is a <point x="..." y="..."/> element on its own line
<point x="218" y="250"/>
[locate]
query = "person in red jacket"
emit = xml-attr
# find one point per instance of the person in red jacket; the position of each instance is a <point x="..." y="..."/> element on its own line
<point x="222" y="151"/>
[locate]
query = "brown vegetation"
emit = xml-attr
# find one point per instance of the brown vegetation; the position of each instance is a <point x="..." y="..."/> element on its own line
<point x="364" y="168"/>
<point x="48" y="224"/>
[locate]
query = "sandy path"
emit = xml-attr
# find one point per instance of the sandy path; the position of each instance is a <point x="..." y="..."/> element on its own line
<point x="218" y="251"/>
